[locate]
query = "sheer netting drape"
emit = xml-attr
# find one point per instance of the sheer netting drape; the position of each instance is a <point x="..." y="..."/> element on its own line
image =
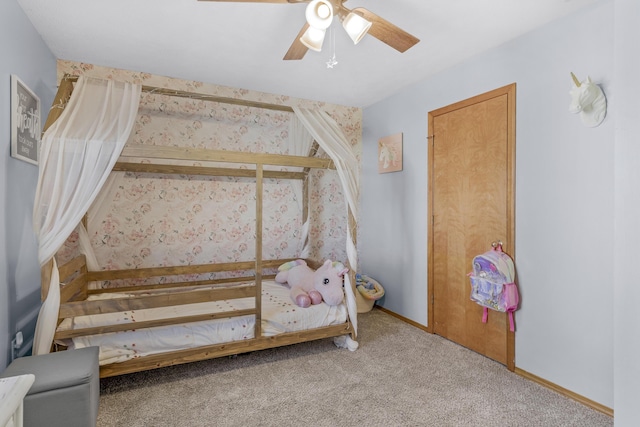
<point x="78" y="152"/>
<point x="99" y="205"/>
<point x="332" y="140"/>
<point x="299" y="144"/>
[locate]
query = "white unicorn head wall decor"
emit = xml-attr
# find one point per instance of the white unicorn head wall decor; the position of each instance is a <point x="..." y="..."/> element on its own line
<point x="589" y="101"/>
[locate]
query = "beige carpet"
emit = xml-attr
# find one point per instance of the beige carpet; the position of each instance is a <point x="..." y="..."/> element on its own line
<point x="400" y="376"/>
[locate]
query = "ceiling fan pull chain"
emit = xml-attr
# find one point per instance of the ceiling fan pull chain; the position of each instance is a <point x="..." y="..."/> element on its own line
<point x="332" y="61"/>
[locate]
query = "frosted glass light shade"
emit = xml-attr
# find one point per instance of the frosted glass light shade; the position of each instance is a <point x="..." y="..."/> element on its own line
<point x="313" y="38"/>
<point x="356" y="26"/>
<point x="319" y="14"/>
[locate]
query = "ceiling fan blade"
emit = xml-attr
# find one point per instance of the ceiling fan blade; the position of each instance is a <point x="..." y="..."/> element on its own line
<point x="297" y="50"/>
<point x="386" y="32"/>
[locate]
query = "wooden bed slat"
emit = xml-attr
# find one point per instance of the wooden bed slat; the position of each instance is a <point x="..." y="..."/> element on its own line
<point x="68" y="79"/>
<point x="214" y="98"/>
<point x="195" y="283"/>
<point x="116" y="305"/>
<point x="143" y="273"/>
<point x="201" y="170"/>
<point x="73" y="333"/>
<point x="220" y="350"/>
<point x="203" y="154"/>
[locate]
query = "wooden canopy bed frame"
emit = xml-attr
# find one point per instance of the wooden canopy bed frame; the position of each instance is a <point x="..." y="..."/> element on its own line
<point x="75" y="277"/>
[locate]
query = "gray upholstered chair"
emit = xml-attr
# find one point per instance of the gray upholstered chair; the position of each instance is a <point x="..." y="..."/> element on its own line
<point x="66" y="390"/>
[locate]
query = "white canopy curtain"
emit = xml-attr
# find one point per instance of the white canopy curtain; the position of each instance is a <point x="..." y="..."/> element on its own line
<point x="78" y="152"/>
<point x="84" y="241"/>
<point x="332" y="140"/>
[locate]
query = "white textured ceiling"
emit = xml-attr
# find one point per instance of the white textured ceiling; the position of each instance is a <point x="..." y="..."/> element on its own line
<point x="242" y="44"/>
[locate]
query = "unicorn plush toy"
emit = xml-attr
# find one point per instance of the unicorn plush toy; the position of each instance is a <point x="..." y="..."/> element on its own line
<point x="589" y="101"/>
<point x="312" y="287"/>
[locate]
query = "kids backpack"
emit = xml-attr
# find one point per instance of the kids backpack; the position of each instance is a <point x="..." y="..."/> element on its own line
<point x="493" y="283"/>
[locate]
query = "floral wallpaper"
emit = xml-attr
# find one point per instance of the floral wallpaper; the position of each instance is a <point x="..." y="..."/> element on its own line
<point x="149" y="220"/>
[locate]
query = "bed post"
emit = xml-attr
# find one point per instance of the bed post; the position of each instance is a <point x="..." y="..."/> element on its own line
<point x="57" y="107"/>
<point x="305" y="189"/>
<point x="353" y="227"/>
<point x="258" y="325"/>
<point x="45" y="279"/>
<point x="61" y="98"/>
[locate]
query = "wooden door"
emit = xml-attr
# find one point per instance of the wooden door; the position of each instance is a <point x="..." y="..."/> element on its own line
<point x="471" y="205"/>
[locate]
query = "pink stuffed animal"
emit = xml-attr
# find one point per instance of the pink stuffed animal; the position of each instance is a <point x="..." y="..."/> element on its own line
<point x="312" y="287"/>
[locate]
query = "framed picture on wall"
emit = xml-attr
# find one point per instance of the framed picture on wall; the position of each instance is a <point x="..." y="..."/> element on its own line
<point x="390" y="153"/>
<point x="25" y="122"/>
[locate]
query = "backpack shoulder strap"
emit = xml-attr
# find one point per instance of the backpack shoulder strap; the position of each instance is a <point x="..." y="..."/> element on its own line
<point x="485" y="317"/>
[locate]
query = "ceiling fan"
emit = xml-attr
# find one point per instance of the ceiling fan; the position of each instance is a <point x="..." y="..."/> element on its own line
<point x="357" y="23"/>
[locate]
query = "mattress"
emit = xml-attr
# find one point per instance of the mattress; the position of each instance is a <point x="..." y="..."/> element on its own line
<point x="279" y="315"/>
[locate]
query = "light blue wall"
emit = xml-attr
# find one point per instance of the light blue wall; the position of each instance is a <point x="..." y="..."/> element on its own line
<point x="24" y="54"/>
<point x="627" y="208"/>
<point x="564" y="197"/>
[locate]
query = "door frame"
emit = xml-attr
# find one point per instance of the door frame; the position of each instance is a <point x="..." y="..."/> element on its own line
<point x="510" y="91"/>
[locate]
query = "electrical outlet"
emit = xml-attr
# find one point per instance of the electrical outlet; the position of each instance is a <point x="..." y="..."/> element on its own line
<point x="16" y="343"/>
<point x="18" y="340"/>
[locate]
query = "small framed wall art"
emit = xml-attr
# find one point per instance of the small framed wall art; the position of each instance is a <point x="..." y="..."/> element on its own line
<point x="390" y="153"/>
<point x="25" y="122"/>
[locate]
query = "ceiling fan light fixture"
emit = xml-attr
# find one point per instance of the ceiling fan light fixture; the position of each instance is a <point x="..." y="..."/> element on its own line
<point x="356" y="26"/>
<point x="313" y="38"/>
<point x="319" y="14"/>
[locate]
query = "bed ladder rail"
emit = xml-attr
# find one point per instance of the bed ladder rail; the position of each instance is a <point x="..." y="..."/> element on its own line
<point x="81" y="332"/>
<point x="80" y="308"/>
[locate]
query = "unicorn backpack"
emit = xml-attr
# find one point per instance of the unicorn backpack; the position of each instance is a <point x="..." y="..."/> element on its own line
<point x="493" y="283"/>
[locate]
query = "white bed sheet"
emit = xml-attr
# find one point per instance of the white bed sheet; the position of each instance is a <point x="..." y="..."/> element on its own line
<point x="279" y="314"/>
